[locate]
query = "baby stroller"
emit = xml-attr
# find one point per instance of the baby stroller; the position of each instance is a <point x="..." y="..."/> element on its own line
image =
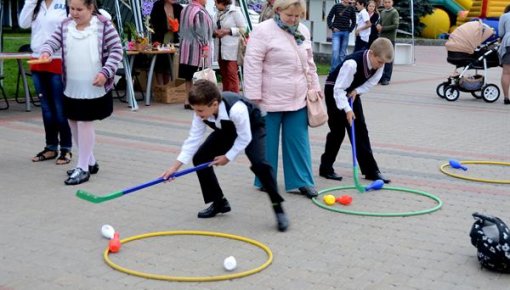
<point x="467" y="52"/>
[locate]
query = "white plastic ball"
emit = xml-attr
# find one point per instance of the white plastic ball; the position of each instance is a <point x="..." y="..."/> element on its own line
<point x="107" y="231"/>
<point x="230" y="263"/>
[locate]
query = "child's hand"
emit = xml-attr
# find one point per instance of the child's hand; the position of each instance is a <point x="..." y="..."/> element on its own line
<point x="350" y="117"/>
<point x="220" y="160"/>
<point x="100" y="80"/>
<point x="171" y="170"/>
<point x="44" y="55"/>
<point x="167" y="173"/>
<point x="352" y="95"/>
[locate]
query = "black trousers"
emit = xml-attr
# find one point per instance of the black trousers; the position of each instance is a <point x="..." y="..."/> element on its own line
<point x="388" y="68"/>
<point x="218" y="143"/>
<point x="337" y="123"/>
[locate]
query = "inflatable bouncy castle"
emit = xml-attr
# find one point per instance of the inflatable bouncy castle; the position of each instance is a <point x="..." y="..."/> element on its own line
<point x="448" y="14"/>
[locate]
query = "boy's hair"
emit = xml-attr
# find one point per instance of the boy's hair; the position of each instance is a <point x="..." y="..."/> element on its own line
<point x="225" y="2"/>
<point x="284" y="4"/>
<point x="362" y="2"/>
<point x="383" y="48"/>
<point x="204" y="92"/>
<point x="507" y="9"/>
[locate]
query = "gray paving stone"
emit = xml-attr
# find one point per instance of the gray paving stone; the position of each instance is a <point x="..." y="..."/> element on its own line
<point x="49" y="239"/>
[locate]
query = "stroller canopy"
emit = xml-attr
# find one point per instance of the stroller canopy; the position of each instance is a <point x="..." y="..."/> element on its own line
<point x="467" y="37"/>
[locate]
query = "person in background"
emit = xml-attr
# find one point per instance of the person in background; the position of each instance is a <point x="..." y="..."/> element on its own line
<point x="237" y="125"/>
<point x="388" y="29"/>
<point x="229" y="23"/>
<point x="165" y="20"/>
<point x="504" y="52"/>
<point x="267" y="11"/>
<point x="277" y="64"/>
<point x="356" y="76"/>
<point x="89" y="38"/>
<point x="196" y="32"/>
<point x="374" y="20"/>
<point x="43" y="17"/>
<point x="341" y="20"/>
<point x="362" y="26"/>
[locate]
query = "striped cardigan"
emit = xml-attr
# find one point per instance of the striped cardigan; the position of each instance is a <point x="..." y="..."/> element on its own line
<point x="109" y="47"/>
<point x="196" y="33"/>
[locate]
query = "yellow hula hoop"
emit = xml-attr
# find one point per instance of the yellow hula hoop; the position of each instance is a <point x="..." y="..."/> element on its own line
<point x="500" y="181"/>
<point x="192" y="278"/>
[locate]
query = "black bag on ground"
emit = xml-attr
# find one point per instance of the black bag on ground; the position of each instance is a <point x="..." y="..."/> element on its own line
<point x="491" y="236"/>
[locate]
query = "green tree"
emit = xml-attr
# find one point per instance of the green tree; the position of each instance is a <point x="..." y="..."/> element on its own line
<point x="421" y="8"/>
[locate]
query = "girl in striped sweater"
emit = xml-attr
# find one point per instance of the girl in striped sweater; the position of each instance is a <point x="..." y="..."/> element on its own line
<point x="91" y="53"/>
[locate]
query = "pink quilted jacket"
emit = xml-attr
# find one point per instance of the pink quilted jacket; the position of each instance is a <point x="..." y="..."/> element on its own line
<point x="273" y="74"/>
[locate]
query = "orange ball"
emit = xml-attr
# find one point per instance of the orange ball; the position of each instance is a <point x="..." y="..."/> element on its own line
<point x="344" y="199"/>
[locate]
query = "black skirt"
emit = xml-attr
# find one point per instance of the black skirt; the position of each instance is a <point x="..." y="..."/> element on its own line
<point x="88" y="109"/>
<point x="186" y="71"/>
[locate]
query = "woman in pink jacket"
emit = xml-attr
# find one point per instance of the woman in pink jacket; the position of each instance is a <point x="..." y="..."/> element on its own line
<point x="278" y="57"/>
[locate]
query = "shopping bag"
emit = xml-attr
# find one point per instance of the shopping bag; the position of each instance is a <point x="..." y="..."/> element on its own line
<point x="204" y="73"/>
<point x="317" y="113"/>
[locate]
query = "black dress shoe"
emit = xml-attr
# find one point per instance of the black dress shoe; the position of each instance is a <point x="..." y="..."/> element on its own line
<point x="93" y="169"/>
<point x="506" y="101"/>
<point x="78" y="176"/>
<point x="309" y="191"/>
<point x="215" y="208"/>
<point x="376" y="176"/>
<point x="385" y="82"/>
<point x="331" y="175"/>
<point x="187" y="107"/>
<point x="283" y="221"/>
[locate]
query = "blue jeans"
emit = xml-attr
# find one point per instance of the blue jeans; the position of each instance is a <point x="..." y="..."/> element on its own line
<point x="339" y="43"/>
<point x="50" y="90"/>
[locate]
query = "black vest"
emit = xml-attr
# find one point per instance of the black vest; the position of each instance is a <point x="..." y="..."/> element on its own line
<point x="363" y="73"/>
<point x="229" y="99"/>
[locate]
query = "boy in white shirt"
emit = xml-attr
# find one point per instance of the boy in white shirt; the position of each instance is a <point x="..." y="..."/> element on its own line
<point x="363" y="25"/>
<point x="238" y="125"/>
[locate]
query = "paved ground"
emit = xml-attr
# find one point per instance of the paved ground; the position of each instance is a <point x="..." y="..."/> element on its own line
<point x="50" y="239"/>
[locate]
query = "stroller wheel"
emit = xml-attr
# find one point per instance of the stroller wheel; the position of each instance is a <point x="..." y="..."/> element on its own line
<point x="477" y="94"/>
<point x="451" y="93"/>
<point x="440" y="89"/>
<point x="490" y="93"/>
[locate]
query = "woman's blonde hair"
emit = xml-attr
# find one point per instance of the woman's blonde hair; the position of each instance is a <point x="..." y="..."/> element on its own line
<point x="284" y="4"/>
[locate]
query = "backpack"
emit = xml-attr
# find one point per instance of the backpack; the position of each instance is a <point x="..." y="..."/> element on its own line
<point x="491" y="236"/>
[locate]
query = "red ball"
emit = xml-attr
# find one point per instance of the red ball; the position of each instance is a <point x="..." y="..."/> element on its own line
<point x="114" y="244"/>
<point x="344" y="199"/>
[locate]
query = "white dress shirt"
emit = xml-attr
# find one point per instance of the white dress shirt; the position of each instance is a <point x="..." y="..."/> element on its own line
<point x="238" y="115"/>
<point x="345" y="79"/>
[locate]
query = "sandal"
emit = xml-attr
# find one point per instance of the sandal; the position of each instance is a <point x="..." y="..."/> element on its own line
<point x="64" y="158"/>
<point x="44" y="155"/>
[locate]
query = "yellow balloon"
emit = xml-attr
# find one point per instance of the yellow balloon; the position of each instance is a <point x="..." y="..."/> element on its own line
<point x="329" y="199"/>
<point x="466" y="4"/>
<point x="436" y="23"/>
